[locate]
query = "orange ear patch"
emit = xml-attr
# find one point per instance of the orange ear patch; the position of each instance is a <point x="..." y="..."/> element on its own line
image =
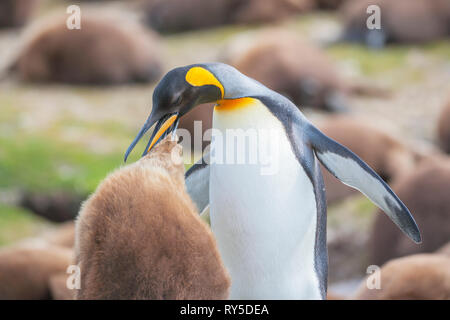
<point x="233" y="104"/>
<point x="198" y="76"/>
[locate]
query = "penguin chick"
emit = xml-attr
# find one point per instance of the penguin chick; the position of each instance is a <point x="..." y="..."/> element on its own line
<point x="402" y="21"/>
<point x="257" y="11"/>
<point x="25" y="271"/>
<point x="420" y="276"/>
<point x="445" y="249"/>
<point x="58" y="287"/>
<point x="56" y="206"/>
<point x="425" y="191"/>
<point x="308" y="81"/>
<point x="139" y="236"/>
<point x="444" y="128"/>
<point x="105" y="50"/>
<point x="62" y="235"/>
<point x="329" y="4"/>
<point x="385" y="154"/>
<point x="182" y="15"/>
<point x="15" y="13"/>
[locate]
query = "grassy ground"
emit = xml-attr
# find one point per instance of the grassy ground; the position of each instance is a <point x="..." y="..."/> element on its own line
<point x="16" y="224"/>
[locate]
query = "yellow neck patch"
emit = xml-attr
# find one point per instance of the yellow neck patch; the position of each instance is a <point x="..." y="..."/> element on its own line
<point x="198" y="76"/>
<point x="233" y="104"/>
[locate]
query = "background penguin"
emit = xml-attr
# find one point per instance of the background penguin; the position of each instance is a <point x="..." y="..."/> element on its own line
<point x="311" y="80"/>
<point x="105" y="51"/>
<point x="182" y="15"/>
<point x="329" y="4"/>
<point x="58" y="206"/>
<point x="25" y="271"/>
<point x="58" y="287"/>
<point x="444" y="128"/>
<point x="15" y="13"/>
<point x="257" y="11"/>
<point x="381" y="151"/>
<point x="62" y="235"/>
<point x="139" y="236"/>
<point x="402" y="21"/>
<point x="254" y="213"/>
<point x="425" y="191"/>
<point x="418" y="277"/>
<point x="445" y="249"/>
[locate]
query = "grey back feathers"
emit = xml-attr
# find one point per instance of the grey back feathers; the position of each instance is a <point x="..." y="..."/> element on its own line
<point x="337" y="159"/>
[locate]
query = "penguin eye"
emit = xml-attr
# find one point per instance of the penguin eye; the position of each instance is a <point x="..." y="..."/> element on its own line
<point x="178" y="100"/>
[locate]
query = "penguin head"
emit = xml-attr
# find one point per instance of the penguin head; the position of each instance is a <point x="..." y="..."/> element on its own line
<point x="180" y="90"/>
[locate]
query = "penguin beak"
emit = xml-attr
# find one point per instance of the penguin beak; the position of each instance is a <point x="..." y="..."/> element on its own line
<point x="165" y="125"/>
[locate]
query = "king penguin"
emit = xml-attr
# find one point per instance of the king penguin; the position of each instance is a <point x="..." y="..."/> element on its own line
<point x="270" y="226"/>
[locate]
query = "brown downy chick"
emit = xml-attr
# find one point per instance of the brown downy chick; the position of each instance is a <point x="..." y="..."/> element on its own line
<point x="15" y="13"/>
<point x="139" y="236"/>
<point x="425" y="191"/>
<point x="106" y="50"/>
<point x="25" y="271"/>
<point x="444" y="128"/>
<point x="420" y="276"/>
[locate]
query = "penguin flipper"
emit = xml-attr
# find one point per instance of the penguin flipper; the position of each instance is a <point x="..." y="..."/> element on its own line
<point x="197" y="183"/>
<point x="354" y="172"/>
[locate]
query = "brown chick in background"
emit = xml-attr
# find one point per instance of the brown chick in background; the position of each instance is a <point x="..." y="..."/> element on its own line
<point x="106" y="50"/>
<point x="425" y="191"/>
<point x="388" y="156"/>
<point x="402" y="21"/>
<point x="444" y="128"/>
<point x="290" y="66"/>
<point x="25" y="271"/>
<point x="15" y="13"/>
<point x="420" y="276"/>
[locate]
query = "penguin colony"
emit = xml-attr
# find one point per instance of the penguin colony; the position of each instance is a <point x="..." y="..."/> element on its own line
<point x="444" y="128"/>
<point x="414" y="180"/>
<point x="179" y="15"/>
<point x="404" y="21"/>
<point x="424" y="190"/>
<point x="15" y="13"/>
<point x="310" y="81"/>
<point x="388" y="156"/>
<point x="113" y="53"/>
<point x="418" y="276"/>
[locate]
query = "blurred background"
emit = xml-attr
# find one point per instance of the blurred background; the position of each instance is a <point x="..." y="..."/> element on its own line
<point x="71" y="101"/>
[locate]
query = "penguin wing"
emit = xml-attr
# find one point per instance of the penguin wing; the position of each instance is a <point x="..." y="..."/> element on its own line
<point x="197" y="183"/>
<point x="352" y="171"/>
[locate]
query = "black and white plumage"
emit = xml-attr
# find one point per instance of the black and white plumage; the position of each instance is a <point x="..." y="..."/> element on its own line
<point x="270" y="227"/>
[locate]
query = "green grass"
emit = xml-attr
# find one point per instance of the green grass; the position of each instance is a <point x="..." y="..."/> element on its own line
<point x="440" y="49"/>
<point x="393" y="60"/>
<point x="357" y="210"/>
<point x="36" y="163"/>
<point x="371" y="62"/>
<point x="16" y="224"/>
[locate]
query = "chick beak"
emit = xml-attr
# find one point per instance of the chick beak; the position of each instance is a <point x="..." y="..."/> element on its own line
<point x="165" y="125"/>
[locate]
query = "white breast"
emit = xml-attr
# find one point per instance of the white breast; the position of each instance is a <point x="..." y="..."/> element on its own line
<point x="264" y="219"/>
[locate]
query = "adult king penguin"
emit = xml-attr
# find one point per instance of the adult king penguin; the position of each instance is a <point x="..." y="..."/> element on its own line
<point x="270" y="228"/>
